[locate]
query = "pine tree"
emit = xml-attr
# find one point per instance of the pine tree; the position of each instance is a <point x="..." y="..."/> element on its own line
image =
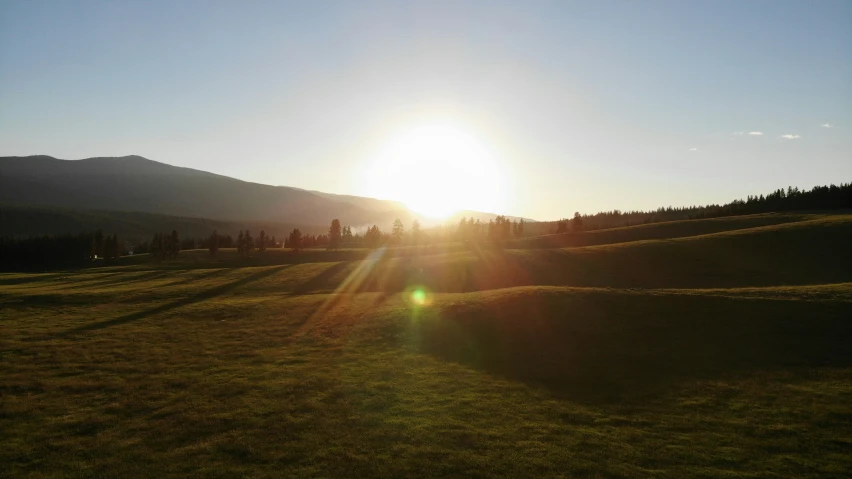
<point x="295" y="240"/>
<point x="577" y="222"/>
<point x="174" y="244"/>
<point x="214" y="243"/>
<point x="248" y="244"/>
<point x="373" y="236"/>
<point x="398" y="230"/>
<point x="334" y="234"/>
<point x="98" y="244"/>
<point x="261" y="241"/>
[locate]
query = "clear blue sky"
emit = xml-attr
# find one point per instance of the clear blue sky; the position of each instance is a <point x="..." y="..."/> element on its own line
<point x="585" y="105"/>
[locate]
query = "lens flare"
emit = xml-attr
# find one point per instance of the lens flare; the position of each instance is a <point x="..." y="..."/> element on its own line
<point x="419" y="296"/>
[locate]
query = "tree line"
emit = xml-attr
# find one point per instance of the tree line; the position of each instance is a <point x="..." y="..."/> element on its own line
<point x="40" y="252"/>
<point x="818" y="198"/>
<point x="71" y="250"/>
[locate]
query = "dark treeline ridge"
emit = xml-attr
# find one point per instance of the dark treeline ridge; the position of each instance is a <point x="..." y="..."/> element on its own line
<point x="43" y="252"/>
<point x="831" y="197"/>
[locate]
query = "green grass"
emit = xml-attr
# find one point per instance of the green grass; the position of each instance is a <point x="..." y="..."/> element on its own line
<point x="718" y="355"/>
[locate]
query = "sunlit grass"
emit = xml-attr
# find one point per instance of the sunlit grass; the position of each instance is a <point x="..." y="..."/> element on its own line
<point x="468" y="362"/>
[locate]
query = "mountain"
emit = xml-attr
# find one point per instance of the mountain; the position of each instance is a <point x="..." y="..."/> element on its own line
<point x="137" y="184"/>
<point x="133" y="183"/>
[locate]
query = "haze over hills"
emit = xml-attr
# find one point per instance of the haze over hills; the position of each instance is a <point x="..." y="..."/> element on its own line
<point x="137" y="184"/>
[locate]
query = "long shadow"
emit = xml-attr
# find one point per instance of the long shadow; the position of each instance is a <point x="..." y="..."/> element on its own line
<point x="110" y="281"/>
<point x="320" y="279"/>
<point x="604" y="347"/>
<point x="31" y="279"/>
<point x="210" y="274"/>
<point x="202" y="296"/>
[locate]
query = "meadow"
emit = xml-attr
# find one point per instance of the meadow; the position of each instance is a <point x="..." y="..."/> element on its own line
<point x="702" y="348"/>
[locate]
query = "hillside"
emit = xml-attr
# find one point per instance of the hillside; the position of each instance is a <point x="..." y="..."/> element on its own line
<point x="136" y="184"/>
<point x="133" y="183"/>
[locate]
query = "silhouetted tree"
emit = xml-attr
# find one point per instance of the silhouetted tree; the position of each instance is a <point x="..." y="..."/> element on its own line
<point x="373" y="236"/>
<point x="214" y="244"/>
<point x="98" y="244"/>
<point x="334" y="234"/>
<point x="248" y="244"/>
<point x="398" y="230"/>
<point x="295" y="240"/>
<point x="241" y="241"/>
<point x="562" y="226"/>
<point x="111" y="249"/>
<point x="577" y="222"/>
<point x="261" y="241"/>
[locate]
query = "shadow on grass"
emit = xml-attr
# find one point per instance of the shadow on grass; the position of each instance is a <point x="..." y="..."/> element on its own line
<point x="108" y="279"/>
<point x="620" y="347"/>
<point x="210" y="274"/>
<point x="35" y="278"/>
<point x="202" y="296"/>
<point x="321" y="280"/>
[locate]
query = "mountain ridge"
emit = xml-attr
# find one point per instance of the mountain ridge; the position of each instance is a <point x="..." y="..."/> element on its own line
<point x="133" y="183"/>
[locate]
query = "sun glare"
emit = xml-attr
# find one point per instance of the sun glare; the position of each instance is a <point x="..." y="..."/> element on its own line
<point x="437" y="170"/>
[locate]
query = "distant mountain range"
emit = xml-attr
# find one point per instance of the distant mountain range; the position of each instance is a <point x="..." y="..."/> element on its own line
<point x="36" y="184"/>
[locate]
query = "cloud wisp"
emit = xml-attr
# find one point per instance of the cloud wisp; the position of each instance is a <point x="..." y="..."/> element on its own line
<point x="790" y="136"/>
<point x="739" y="133"/>
<point x="755" y="133"/>
<point x="693" y="149"/>
<point x="827" y="125"/>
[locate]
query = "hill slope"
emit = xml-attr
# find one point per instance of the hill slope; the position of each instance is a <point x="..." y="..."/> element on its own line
<point x="133" y="183"/>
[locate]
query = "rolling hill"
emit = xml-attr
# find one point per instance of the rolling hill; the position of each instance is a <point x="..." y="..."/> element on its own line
<point x="706" y="348"/>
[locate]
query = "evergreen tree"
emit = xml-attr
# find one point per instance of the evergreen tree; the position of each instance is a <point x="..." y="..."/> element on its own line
<point x="334" y="234"/>
<point x="261" y="241"/>
<point x="174" y="244"/>
<point x="248" y="244"/>
<point x="214" y="243"/>
<point x="373" y="236"/>
<point x="98" y="244"/>
<point x="295" y="240"/>
<point x="577" y="222"/>
<point x="241" y="243"/>
<point x="562" y="226"/>
<point x="398" y="230"/>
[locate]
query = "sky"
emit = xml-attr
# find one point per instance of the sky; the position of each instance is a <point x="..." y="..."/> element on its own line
<point x="582" y="106"/>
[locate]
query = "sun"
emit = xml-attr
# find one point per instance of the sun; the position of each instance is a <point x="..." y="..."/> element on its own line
<point x="437" y="170"/>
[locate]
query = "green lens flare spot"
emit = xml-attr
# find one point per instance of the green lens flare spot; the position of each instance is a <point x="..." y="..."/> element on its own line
<point x="418" y="296"/>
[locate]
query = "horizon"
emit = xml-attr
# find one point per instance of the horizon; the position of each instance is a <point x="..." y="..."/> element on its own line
<point x="453" y="216"/>
<point x="566" y="107"/>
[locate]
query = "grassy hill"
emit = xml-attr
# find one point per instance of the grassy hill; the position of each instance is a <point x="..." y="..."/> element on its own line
<point x="693" y="349"/>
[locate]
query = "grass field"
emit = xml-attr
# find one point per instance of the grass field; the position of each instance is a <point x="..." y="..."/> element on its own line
<point x="712" y="348"/>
